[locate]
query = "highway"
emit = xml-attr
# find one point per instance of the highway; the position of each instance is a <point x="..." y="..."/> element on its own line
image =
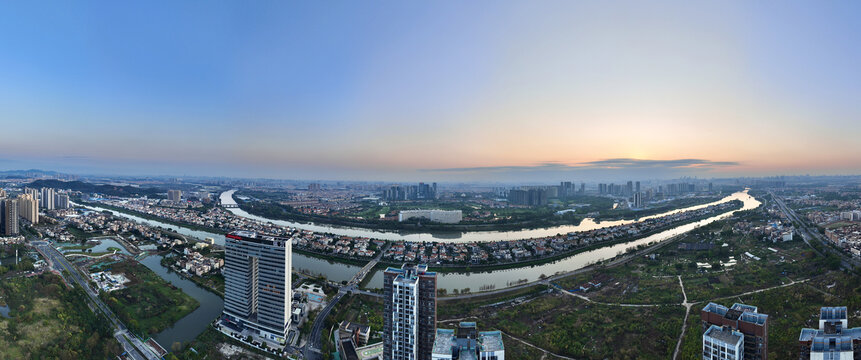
<point x="131" y="344"/>
<point x="846" y="260"/>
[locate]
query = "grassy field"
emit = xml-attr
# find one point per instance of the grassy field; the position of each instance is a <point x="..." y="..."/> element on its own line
<point x="50" y="321"/>
<point x="148" y="304"/>
<point x="790" y="309"/>
<point x="572" y="327"/>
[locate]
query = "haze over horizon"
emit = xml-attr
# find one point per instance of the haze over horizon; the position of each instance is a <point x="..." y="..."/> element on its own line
<point x="478" y="91"/>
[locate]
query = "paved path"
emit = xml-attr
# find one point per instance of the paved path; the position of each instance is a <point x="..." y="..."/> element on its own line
<point x="536" y="347"/>
<point x="687" y="306"/>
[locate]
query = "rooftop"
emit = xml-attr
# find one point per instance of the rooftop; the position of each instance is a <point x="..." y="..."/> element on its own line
<point x="832" y="313"/>
<point x="490" y="341"/>
<point x="724" y="335"/>
<point x="443" y="342"/>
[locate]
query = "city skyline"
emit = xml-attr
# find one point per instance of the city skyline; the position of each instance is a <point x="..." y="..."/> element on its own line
<point x="450" y="92"/>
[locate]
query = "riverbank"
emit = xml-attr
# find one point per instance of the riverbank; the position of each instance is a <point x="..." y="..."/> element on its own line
<point x="148" y="304"/>
<point x="279" y="212"/>
<point x="153" y="217"/>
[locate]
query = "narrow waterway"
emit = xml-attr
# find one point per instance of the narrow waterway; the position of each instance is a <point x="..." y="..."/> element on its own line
<point x="190" y="326"/>
<point x="456" y="236"/>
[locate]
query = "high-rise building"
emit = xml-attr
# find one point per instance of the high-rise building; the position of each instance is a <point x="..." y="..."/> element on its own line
<point x="467" y="343"/>
<point x="47" y="199"/>
<point x="409" y="315"/>
<point x="174" y="195"/>
<point x="723" y="343"/>
<point x="834" y="339"/>
<point x="629" y="188"/>
<point x="745" y="319"/>
<point x="257" y="286"/>
<point x="28" y="208"/>
<point x="582" y="188"/>
<point x="10" y="217"/>
<point x="637" y="186"/>
<point x="2" y="193"/>
<point x="638" y="200"/>
<point x="62" y="201"/>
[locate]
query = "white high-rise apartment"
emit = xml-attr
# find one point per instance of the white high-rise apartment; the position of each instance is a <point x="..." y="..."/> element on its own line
<point x="723" y="343"/>
<point x="47" y="199"/>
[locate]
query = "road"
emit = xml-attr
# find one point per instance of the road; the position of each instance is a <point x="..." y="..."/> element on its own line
<point x="130" y="343"/>
<point x="846" y="260"/>
<point x="314" y="344"/>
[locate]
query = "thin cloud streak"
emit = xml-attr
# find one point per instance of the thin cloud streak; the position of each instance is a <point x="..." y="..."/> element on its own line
<point x="617" y="163"/>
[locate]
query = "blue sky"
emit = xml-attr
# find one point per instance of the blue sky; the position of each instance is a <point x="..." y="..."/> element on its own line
<point x="393" y="90"/>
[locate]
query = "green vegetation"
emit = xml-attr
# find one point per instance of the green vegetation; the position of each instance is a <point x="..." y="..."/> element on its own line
<point x="789" y="309"/>
<point x="572" y="327"/>
<point x="148" y="304"/>
<point x="208" y="345"/>
<point x="84" y="187"/>
<point x="50" y="321"/>
<point x="455" y="308"/>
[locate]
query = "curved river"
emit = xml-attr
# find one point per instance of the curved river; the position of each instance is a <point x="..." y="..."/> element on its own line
<point x="457" y="236"/>
<point x="190" y="326"/>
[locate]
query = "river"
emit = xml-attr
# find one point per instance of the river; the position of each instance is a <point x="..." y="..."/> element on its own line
<point x="457" y="236"/>
<point x="503" y="278"/>
<point x="193" y="324"/>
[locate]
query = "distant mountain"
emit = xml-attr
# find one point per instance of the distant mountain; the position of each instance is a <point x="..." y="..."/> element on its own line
<point x="23" y="174"/>
<point x="113" y="190"/>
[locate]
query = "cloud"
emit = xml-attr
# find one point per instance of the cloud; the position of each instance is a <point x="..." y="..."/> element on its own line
<point x="609" y="164"/>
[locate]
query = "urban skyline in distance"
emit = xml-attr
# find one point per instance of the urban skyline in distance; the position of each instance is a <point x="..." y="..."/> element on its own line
<point x="402" y="92"/>
<point x="430" y="180"/>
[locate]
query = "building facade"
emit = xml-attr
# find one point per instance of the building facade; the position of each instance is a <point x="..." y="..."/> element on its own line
<point x="257" y="286"/>
<point x="723" y="343"/>
<point x="28" y="208"/>
<point x="745" y="319"/>
<point x="439" y="216"/>
<point x="47" y="198"/>
<point x="409" y="315"/>
<point x="9" y="209"/>
<point x="174" y="195"/>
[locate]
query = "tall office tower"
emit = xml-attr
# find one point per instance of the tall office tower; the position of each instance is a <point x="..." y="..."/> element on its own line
<point x="629" y="188"/>
<point x="47" y="198"/>
<point x="174" y="195"/>
<point x="409" y="315"/>
<point x="602" y="189"/>
<point x="638" y="200"/>
<point x="745" y="319"/>
<point x="10" y="217"/>
<point x="637" y="186"/>
<point x="723" y="343"/>
<point x="711" y="187"/>
<point x="257" y="287"/>
<point x="62" y="201"/>
<point x="582" y="188"/>
<point x="28" y="208"/>
<point x="834" y="339"/>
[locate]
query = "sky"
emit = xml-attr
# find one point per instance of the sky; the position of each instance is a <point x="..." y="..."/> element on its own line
<point x="433" y="90"/>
